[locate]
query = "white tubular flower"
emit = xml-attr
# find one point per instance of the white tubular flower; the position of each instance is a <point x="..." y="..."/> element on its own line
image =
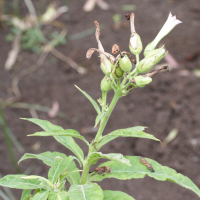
<point x="168" y="26"/>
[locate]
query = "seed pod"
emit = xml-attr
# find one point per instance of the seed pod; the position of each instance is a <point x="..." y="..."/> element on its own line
<point x="125" y="64"/>
<point x="105" y="85"/>
<point x="106" y="66"/>
<point x="135" y="44"/>
<point x="141" y="81"/>
<point x="117" y="72"/>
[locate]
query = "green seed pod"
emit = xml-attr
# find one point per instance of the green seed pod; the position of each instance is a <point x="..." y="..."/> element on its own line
<point x="106" y="66"/>
<point x="117" y="72"/>
<point x="141" y="81"/>
<point x="135" y="44"/>
<point x="125" y="64"/>
<point x="151" y="59"/>
<point x="105" y="84"/>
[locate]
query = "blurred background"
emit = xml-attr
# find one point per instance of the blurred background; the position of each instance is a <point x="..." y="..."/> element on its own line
<point x="42" y="52"/>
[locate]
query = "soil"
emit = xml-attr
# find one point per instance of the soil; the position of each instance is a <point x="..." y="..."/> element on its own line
<point x="171" y="101"/>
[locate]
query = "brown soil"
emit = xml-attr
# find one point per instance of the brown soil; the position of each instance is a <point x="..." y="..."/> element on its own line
<point x="170" y="101"/>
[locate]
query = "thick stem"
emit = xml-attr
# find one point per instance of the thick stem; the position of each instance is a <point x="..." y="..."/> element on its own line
<point x="99" y="134"/>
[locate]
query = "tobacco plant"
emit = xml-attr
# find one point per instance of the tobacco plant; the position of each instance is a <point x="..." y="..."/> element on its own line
<point x="122" y="77"/>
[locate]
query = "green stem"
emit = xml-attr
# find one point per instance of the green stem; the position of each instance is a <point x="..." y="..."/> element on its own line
<point x="104" y="97"/>
<point x="105" y="119"/>
<point x="99" y="133"/>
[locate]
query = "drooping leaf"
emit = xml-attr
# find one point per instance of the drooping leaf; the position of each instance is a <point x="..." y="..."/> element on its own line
<point x="72" y="145"/>
<point x="25" y="194"/>
<point x="116" y="195"/>
<point x="58" y="196"/>
<point x="68" y="132"/>
<point x="95" y="156"/>
<point x="67" y="141"/>
<point x="138" y="170"/>
<point x="86" y="192"/>
<point x="128" y="132"/>
<point x="57" y="168"/>
<point x="46" y="157"/>
<point x="14" y="181"/>
<point x="94" y="103"/>
<point x="41" y="195"/>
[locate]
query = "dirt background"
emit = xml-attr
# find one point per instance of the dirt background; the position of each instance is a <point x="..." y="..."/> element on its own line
<point x="170" y="101"/>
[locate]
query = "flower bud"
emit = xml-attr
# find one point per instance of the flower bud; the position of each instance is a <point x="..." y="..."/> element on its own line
<point x="148" y="48"/>
<point x="152" y="58"/>
<point x="117" y="72"/>
<point x="106" y="84"/>
<point x="141" y="81"/>
<point x="106" y="66"/>
<point x="125" y="64"/>
<point x="135" y="44"/>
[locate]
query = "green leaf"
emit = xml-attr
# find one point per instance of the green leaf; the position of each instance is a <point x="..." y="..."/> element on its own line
<point x="58" y="196"/>
<point x="46" y="125"/>
<point x="128" y="132"/>
<point x="67" y="141"/>
<point x="45" y="183"/>
<point x="72" y="145"/>
<point x="93" y="157"/>
<point x="138" y="170"/>
<point x="68" y="132"/>
<point x="94" y="103"/>
<point x="57" y="168"/>
<point x="14" y="181"/>
<point x="86" y="192"/>
<point x="73" y="178"/>
<point x="116" y="195"/>
<point x="25" y="194"/>
<point x="41" y="195"/>
<point x="46" y="157"/>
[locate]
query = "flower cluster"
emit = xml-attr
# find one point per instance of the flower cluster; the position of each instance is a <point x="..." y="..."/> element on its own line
<point x="116" y="68"/>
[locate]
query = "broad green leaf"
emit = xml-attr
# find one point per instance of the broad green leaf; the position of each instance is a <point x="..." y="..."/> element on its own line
<point x="67" y="141"/>
<point x="45" y="183"/>
<point x="94" y="103"/>
<point x="46" y="157"/>
<point x="25" y="194"/>
<point x="57" y="168"/>
<point x="73" y="178"/>
<point x="128" y="132"/>
<point x="68" y="132"/>
<point x="116" y="195"/>
<point x="41" y="195"/>
<point x="14" y="181"/>
<point x="58" y="196"/>
<point x="93" y="157"/>
<point x="138" y="170"/>
<point x="85" y="192"/>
